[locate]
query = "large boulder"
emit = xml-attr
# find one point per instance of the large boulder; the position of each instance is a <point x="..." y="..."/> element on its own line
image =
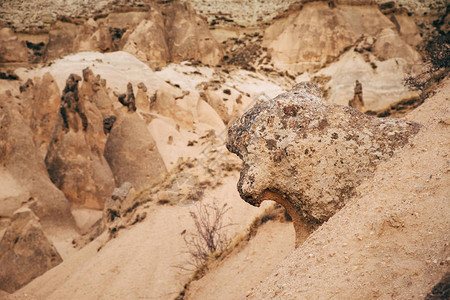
<point x="20" y="160"/>
<point x="25" y="251"/>
<point x="132" y="153"/>
<point x="308" y="155"/>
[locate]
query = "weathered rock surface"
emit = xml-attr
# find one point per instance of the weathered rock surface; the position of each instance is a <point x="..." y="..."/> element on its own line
<point x="25" y="251"/>
<point x="148" y="42"/>
<point x="39" y="107"/>
<point x="11" y="48"/>
<point x="75" y="159"/>
<point x="382" y="86"/>
<point x="20" y="159"/>
<point x="166" y="105"/>
<point x="132" y="154"/>
<point x="169" y="32"/>
<point x="317" y="34"/>
<point x="308" y="155"/>
<point x="349" y="42"/>
<point x="189" y="36"/>
<point x="392" y="239"/>
<point x="39" y="15"/>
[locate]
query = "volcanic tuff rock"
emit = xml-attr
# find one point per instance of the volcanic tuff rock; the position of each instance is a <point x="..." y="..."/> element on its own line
<point x="75" y="159"/>
<point x="40" y="100"/>
<point x="21" y="160"/>
<point x="317" y="34"/>
<point x="132" y="154"/>
<point x="308" y="155"/>
<point x="168" y="32"/>
<point x="25" y="251"/>
<point x="11" y="48"/>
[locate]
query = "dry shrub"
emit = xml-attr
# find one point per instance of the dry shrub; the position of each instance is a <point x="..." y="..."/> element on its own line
<point x="210" y="235"/>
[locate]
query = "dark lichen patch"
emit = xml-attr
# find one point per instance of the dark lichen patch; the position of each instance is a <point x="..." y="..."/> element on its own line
<point x="279" y="155"/>
<point x="323" y="124"/>
<point x="271" y="144"/>
<point x="291" y="110"/>
<point x="334" y="136"/>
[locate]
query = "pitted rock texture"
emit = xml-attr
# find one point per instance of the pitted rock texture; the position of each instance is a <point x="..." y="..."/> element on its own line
<point x="309" y="155"/>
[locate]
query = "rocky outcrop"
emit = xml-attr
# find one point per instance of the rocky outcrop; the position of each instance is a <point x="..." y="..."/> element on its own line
<point x="148" y="41"/>
<point x="308" y="155"/>
<point x="132" y="154"/>
<point x="349" y="43"/>
<point x="166" y="105"/>
<point x="317" y="34"/>
<point x="75" y="159"/>
<point x="170" y="32"/>
<point x="11" y="48"/>
<point x="189" y="36"/>
<point x="25" y="251"/>
<point x="40" y="103"/>
<point x="20" y="160"/>
<point x="382" y="86"/>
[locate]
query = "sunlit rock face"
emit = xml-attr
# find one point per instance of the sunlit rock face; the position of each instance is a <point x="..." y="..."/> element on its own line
<point x="309" y="155"/>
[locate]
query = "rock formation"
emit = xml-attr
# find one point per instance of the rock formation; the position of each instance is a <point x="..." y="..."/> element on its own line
<point x="12" y="50"/>
<point x="128" y="99"/>
<point x="40" y="105"/>
<point x="148" y="41"/>
<point x="183" y="22"/>
<point x="142" y="101"/>
<point x="132" y="154"/>
<point x="317" y="34"/>
<point x="166" y="105"/>
<point x="308" y="155"/>
<point x="360" y="43"/>
<point x="20" y="160"/>
<point x="75" y="159"/>
<point x="168" y="32"/>
<point x="25" y="251"/>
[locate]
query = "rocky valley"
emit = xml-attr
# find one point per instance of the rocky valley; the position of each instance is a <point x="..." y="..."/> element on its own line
<point x="224" y="149"/>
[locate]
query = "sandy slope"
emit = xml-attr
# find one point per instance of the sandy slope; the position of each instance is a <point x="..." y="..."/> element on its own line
<point x="392" y="241"/>
<point x="141" y="262"/>
<point x="246" y="266"/>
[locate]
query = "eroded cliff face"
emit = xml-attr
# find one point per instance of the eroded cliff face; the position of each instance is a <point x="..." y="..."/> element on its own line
<point x="37" y="16"/>
<point x="156" y="33"/>
<point x="309" y="155"/>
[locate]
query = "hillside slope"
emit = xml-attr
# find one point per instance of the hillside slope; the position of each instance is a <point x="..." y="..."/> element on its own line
<point x="390" y="241"/>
